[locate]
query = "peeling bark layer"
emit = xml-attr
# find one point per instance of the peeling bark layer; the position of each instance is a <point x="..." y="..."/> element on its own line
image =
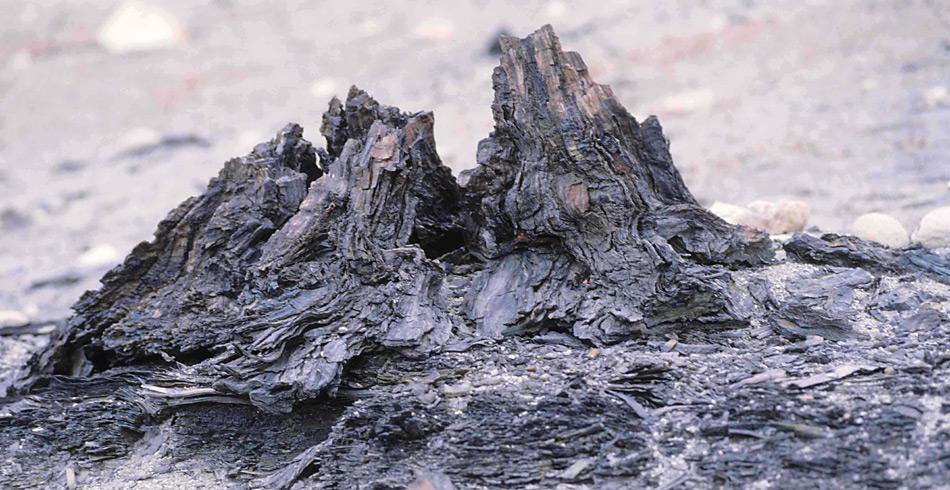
<point x="365" y="279"/>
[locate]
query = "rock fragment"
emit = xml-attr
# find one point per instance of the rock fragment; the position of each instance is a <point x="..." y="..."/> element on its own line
<point x="782" y="216"/>
<point x="778" y="217"/>
<point x="98" y="256"/>
<point x="687" y="102"/>
<point x="137" y="26"/>
<point x="737" y="215"/>
<point x="13" y="318"/>
<point x="455" y="390"/>
<point x="434" y="30"/>
<point x="936" y="96"/>
<point x="880" y="228"/>
<point x="934" y="229"/>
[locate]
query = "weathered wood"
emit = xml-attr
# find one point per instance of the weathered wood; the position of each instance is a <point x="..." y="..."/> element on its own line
<point x="575" y="219"/>
<point x="308" y="278"/>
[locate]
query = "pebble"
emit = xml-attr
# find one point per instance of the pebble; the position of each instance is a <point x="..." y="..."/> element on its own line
<point x="736" y="215"/>
<point x="13" y="318"/>
<point x="934" y="229"/>
<point x="99" y="256"/>
<point x="459" y="389"/>
<point x="70" y="477"/>
<point x="324" y="88"/>
<point x="880" y="228"/>
<point x="11" y="219"/>
<point x="431" y="480"/>
<point x="688" y="101"/>
<point x="936" y="96"/>
<point x="779" y="217"/>
<point x="782" y="216"/>
<point x="574" y="470"/>
<point x="434" y="30"/>
<point x="139" y="137"/>
<point x="137" y="26"/>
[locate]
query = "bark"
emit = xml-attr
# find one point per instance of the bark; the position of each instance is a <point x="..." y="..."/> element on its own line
<point x="362" y="283"/>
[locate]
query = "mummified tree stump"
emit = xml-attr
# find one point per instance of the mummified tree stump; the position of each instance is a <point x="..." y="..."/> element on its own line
<point x="303" y="272"/>
<point x="285" y="269"/>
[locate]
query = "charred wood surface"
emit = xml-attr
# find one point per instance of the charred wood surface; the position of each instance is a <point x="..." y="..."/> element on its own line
<point x="564" y="313"/>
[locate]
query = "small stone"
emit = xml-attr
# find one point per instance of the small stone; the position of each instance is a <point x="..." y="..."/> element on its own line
<point x="737" y="215"/>
<point x="139" y="137"/>
<point x="140" y="26"/>
<point x="69" y="166"/>
<point x="936" y="96"/>
<point x="13" y="318"/>
<point x="490" y="381"/>
<point x="431" y="480"/>
<point x="774" y="217"/>
<point x="70" y="477"/>
<point x="934" y="229"/>
<point x="434" y="30"/>
<point x="458" y="389"/>
<point x="99" y="256"/>
<point x="324" y="88"/>
<point x="783" y="216"/>
<point x="575" y="470"/>
<point x="11" y="219"/>
<point x="880" y="228"/>
<point x="688" y="101"/>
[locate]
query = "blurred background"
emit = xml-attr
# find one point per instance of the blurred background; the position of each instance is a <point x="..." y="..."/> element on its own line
<point x="112" y="112"/>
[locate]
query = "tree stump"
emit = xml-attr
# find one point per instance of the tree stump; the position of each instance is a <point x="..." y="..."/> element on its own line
<point x="359" y="301"/>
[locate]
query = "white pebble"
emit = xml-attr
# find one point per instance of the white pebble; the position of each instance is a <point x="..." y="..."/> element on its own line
<point x="688" y="101"/>
<point x="139" y="137"/>
<point x="782" y="216"/>
<point x="736" y="215"/>
<point x="324" y="88"/>
<point x="934" y="230"/>
<point x="880" y="228"/>
<point x="99" y="256"/>
<point x="936" y="96"/>
<point x="777" y="218"/>
<point x="13" y="318"/>
<point x="139" y="26"/>
<point x="434" y="30"/>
